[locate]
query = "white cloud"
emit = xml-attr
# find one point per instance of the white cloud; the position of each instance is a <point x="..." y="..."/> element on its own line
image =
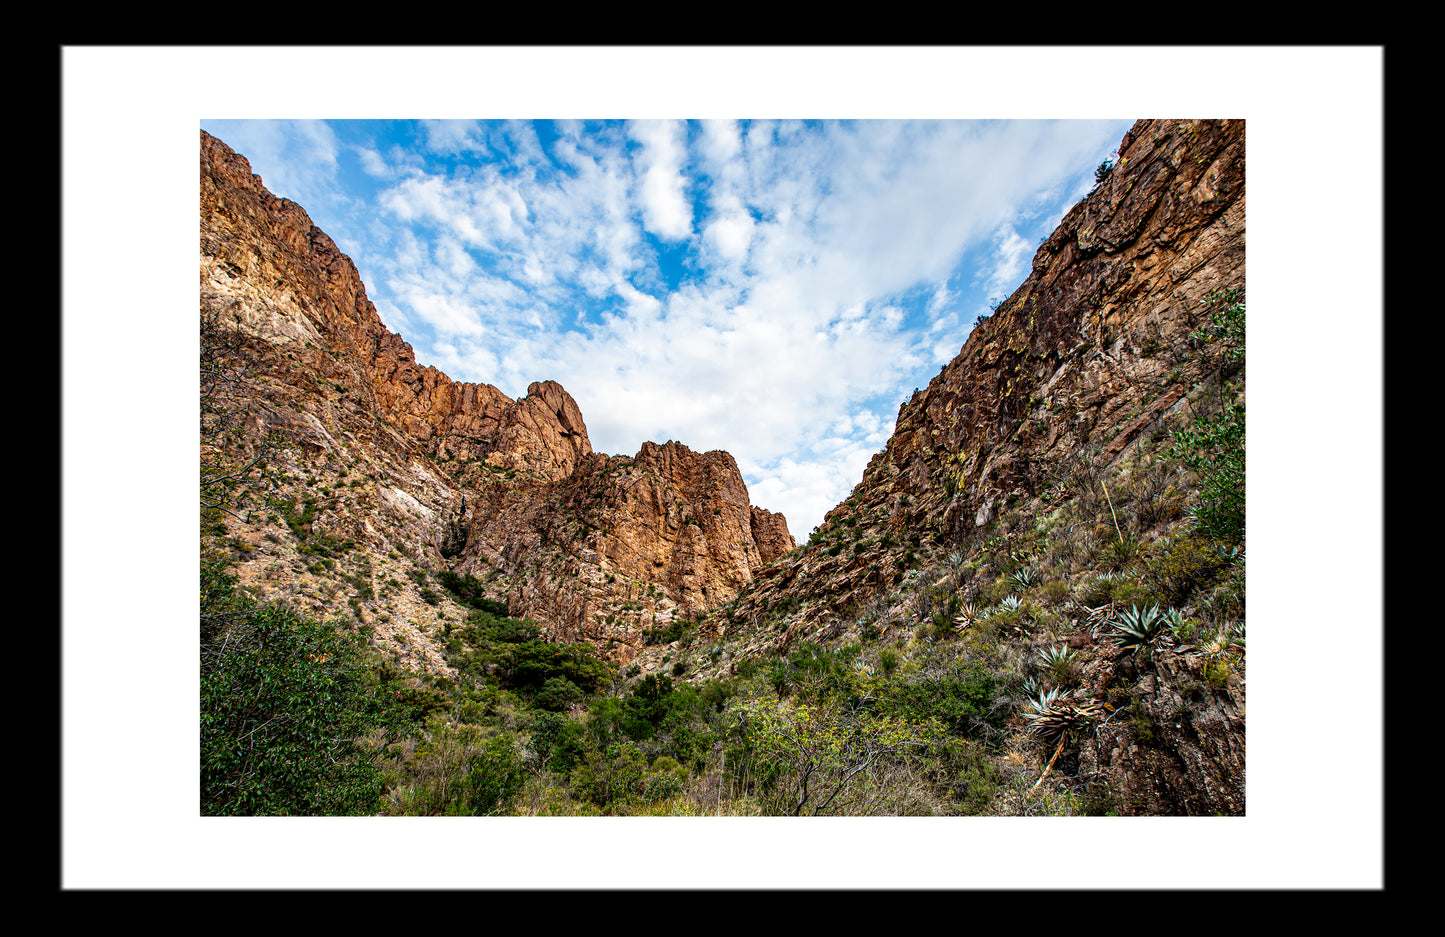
<point x="454" y="136"/>
<point x="372" y="163"/>
<point x="808" y="237"/>
<point x="662" y="190"/>
<point x="1011" y="256"/>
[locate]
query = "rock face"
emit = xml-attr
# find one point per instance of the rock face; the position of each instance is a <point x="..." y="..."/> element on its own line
<point x="421" y="474"/>
<point x="1088" y="354"/>
<point x="1089" y="357"/>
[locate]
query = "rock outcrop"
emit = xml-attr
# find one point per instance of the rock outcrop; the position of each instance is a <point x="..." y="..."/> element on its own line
<point x="402" y="473"/>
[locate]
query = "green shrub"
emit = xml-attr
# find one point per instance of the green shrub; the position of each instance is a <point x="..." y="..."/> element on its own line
<point x="1216" y="673"/>
<point x="961" y="696"/>
<point x="557" y="743"/>
<point x="665" y="779"/>
<point x="1055" y="592"/>
<point x="467" y="590"/>
<point x="612" y="777"/>
<point x="968" y="774"/>
<point x="1214" y="446"/>
<point x="283" y="700"/>
<point x="557" y="695"/>
<point x="674" y="631"/>
<point x="533" y="663"/>
<point x="1175" y="569"/>
<point x="494" y="776"/>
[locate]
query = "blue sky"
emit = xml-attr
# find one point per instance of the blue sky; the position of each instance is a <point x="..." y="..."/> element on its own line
<point x="772" y="288"/>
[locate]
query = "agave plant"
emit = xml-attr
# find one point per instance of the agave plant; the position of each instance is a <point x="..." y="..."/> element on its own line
<point x="1025" y="578"/>
<point x="1054" y="714"/>
<point x="1098" y="617"/>
<point x="1139" y="628"/>
<point x="967" y="614"/>
<point x="1057" y="660"/>
<point x="1178" y="625"/>
<point x="1011" y="603"/>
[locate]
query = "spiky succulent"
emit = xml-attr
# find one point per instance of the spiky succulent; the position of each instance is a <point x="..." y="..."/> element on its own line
<point x="1057" y="659"/>
<point x="1217" y="644"/>
<point x="1025" y="578"/>
<point x="1097" y="618"/>
<point x="1178" y="625"/>
<point x="1055" y="713"/>
<point x="1138" y="628"/>
<point x="1011" y="603"/>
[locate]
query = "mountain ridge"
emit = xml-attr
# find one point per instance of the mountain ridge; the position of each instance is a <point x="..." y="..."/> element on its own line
<point x="463" y="473"/>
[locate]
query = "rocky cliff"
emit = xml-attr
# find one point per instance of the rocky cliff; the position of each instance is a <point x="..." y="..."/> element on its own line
<point x="380" y="473"/>
<point x="1088" y="356"/>
<point x="1031" y="469"/>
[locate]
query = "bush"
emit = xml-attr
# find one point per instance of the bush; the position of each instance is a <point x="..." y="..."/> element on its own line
<point x="1213" y="447"/>
<point x="1176" y="568"/>
<point x="557" y="695"/>
<point x="961" y="697"/>
<point x="493" y="778"/>
<point x="283" y="700"/>
<point x="611" y="778"/>
<point x="468" y="591"/>
<point x="533" y="663"/>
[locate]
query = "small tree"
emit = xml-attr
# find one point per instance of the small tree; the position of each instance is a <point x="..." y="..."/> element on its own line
<point x="822" y="748"/>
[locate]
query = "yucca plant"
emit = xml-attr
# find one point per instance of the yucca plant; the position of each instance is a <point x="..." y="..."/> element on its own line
<point x="967" y="614"/>
<point x="1122" y="550"/>
<point x="1216" y="644"/>
<point x="1139" y="628"/>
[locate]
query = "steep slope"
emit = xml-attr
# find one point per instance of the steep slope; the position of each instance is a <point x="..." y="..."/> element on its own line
<point x="1089" y="355"/>
<point x="376" y="473"/>
<point x="1027" y="499"/>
